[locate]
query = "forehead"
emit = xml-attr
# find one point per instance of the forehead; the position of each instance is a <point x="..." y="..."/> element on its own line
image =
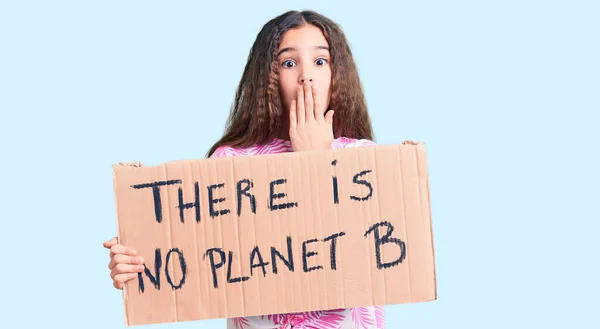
<point x="307" y="36"/>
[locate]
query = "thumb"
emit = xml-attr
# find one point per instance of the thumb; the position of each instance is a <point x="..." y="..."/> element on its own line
<point x="329" y="117"/>
<point x="110" y="243"/>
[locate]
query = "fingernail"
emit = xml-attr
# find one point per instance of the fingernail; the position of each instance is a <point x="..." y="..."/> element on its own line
<point x="141" y="260"/>
<point x="140" y="268"/>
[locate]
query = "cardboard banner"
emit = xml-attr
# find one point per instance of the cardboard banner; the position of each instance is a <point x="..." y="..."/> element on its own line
<point x="272" y="234"/>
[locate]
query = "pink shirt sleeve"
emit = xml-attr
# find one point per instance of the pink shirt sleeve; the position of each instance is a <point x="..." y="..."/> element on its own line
<point x="222" y="151"/>
<point x="349" y="142"/>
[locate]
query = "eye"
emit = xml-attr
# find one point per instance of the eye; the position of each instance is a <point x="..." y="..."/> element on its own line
<point x="288" y="63"/>
<point x="321" y="61"/>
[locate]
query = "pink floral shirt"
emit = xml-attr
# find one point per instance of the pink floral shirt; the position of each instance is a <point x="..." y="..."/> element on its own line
<point x="372" y="317"/>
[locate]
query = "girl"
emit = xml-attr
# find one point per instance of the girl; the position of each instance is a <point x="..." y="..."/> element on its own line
<point x="300" y="91"/>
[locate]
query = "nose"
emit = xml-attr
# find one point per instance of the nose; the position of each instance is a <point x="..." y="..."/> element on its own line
<point x="305" y="75"/>
<point x="306" y="72"/>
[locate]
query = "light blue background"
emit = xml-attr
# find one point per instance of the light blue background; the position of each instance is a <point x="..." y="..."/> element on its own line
<point x="505" y="94"/>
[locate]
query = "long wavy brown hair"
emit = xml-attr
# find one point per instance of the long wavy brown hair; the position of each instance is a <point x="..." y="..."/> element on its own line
<point x="256" y="115"/>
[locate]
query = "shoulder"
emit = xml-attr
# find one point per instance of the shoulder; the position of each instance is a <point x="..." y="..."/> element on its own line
<point x="345" y="142"/>
<point x="274" y="146"/>
<point x="226" y="150"/>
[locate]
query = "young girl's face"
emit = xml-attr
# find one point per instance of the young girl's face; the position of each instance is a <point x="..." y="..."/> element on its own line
<point x="304" y="55"/>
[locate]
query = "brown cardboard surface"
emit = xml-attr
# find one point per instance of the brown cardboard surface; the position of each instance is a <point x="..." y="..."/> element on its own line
<point x="370" y="243"/>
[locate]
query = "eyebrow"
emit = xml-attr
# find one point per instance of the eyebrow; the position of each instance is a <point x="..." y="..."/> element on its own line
<point x="294" y="49"/>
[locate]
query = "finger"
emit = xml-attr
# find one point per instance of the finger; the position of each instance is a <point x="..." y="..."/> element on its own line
<point x="120" y="279"/>
<point x="121" y="249"/>
<point x="110" y="243"/>
<point x="123" y="278"/>
<point x="319" y="115"/>
<point x="125" y="259"/>
<point x="124" y="269"/>
<point x="329" y="117"/>
<point x="308" y="102"/>
<point x="118" y="285"/>
<point x="293" y="118"/>
<point x="300" y="111"/>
